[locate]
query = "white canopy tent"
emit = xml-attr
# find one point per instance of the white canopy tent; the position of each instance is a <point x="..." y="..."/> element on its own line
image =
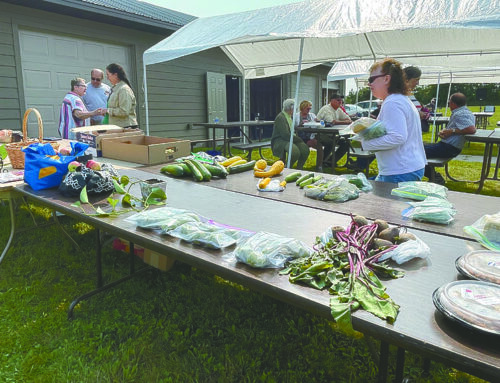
<point x="278" y="40"/>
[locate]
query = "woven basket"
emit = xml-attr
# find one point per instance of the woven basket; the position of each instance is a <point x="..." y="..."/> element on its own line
<point x="16" y="155"/>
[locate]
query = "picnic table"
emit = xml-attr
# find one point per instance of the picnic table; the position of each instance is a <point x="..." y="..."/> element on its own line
<point x="482" y="119"/>
<point x="439" y="123"/>
<point x="333" y="131"/>
<point x="419" y="327"/>
<point x="225" y="126"/>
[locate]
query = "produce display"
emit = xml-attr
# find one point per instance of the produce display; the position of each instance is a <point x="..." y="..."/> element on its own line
<point x="347" y="265"/>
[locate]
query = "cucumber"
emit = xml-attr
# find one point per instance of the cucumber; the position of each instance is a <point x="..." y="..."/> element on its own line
<point x="197" y="176"/>
<point x="207" y="176"/>
<point x="185" y="168"/>
<point x="215" y="170"/>
<point x="306" y="182"/>
<point x="173" y="169"/>
<point x="292" y="177"/>
<point x="241" y="168"/>
<point x="303" y="178"/>
<point x="316" y="178"/>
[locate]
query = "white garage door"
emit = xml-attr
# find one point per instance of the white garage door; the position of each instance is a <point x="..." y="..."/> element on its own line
<point x="308" y="90"/>
<point x="50" y="62"/>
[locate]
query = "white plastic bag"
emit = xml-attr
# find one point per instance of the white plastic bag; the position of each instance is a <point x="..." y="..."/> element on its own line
<point x="406" y="251"/>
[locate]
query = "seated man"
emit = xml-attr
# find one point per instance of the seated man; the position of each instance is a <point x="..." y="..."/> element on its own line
<point x="333" y="114"/>
<point x="462" y="121"/>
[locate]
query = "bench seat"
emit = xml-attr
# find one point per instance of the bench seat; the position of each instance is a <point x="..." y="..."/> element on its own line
<point x="251" y="146"/>
<point x="359" y="153"/>
<point x="434" y="163"/>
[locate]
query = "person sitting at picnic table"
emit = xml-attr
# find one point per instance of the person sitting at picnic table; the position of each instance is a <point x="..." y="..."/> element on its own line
<point x="333" y="114"/>
<point x="462" y="121"/>
<point x="400" y="152"/>
<point x="305" y="115"/>
<point x="280" y="139"/>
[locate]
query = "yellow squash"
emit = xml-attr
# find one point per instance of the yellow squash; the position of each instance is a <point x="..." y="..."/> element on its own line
<point x="274" y="170"/>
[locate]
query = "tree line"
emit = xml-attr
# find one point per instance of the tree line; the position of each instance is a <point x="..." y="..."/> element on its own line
<point x="477" y="94"/>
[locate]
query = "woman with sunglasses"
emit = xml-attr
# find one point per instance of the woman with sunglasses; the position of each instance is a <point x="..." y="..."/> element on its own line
<point x="121" y="102"/>
<point x="400" y="153"/>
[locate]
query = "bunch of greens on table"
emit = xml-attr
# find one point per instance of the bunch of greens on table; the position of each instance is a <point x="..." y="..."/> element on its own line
<point x="347" y="266"/>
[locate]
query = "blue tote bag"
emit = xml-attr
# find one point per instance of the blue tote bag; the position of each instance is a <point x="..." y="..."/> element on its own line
<point x="44" y="168"/>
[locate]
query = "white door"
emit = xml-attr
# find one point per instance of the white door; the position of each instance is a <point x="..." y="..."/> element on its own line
<point x="216" y="99"/>
<point x="308" y="90"/>
<point x="49" y="63"/>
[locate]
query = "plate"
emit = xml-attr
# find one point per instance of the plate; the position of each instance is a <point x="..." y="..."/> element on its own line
<point x="474" y="304"/>
<point x="483" y="265"/>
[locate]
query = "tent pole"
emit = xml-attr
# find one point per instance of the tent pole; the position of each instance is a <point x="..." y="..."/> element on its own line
<point x="294" y="117"/>
<point x="145" y="84"/>
<point x="449" y="91"/>
<point x="435" y="108"/>
<point x="243" y="114"/>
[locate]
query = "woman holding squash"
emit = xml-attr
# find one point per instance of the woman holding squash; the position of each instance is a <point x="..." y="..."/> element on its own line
<point x="280" y="140"/>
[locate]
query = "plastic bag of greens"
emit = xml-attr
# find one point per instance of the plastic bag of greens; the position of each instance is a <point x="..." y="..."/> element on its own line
<point x="155" y="218"/>
<point x="359" y="180"/>
<point x="406" y="251"/>
<point x="367" y="128"/>
<point x="338" y="189"/>
<point x="419" y="190"/>
<point x="268" y="250"/>
<point x="209" y="234"/>
<point x="431" y="209"/>
<point x="486" y="230"/>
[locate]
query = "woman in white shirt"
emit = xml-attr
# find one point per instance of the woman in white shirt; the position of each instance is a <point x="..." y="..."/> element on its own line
<point x="400" y="153"/>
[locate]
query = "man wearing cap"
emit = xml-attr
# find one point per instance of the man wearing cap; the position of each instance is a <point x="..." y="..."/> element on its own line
<point x="97" y="95"/>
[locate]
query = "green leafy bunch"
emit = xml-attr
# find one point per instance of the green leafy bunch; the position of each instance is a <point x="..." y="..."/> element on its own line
<point x="129" y="202"/>
<point x="347" y="266"/>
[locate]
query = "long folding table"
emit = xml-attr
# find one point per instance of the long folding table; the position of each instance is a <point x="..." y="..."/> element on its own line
<point x="419" y="327"/>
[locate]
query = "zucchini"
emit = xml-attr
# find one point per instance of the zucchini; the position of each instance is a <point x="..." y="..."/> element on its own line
<point x="241" y="168"/>
<point x="173" y="169"/>
<point x="197" y="176"/>
<point x="292" y="177"/>
<point x="303" y="178"/>
<point x="203" y="170"/>
<point x="215" y="170"/>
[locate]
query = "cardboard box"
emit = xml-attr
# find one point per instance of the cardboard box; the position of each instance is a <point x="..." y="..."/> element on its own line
<point x="92" y="135"/>
<point x="157" y="260"/>
<point x="147" y="150"/>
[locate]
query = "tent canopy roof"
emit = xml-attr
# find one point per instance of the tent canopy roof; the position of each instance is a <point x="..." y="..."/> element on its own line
<point x="266" y="42"/>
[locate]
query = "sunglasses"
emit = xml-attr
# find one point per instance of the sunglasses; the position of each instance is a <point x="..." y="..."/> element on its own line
<point x="96" y="79"/>
<point x="373" y="78"/>
<point x="82" y="85"/>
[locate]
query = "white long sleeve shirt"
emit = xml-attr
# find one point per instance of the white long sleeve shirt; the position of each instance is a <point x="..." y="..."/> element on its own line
<point x="401" y="150"/>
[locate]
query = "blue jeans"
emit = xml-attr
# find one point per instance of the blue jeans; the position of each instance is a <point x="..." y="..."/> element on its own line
<point x="395" y="178"/>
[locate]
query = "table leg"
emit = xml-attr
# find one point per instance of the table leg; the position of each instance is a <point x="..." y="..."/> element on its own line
<point x="400" y="364"/>
<point x="12" y="226"/>
<point x="485" y="170"/>
<point x="334" y="159"/>
<point x="319" y="154"/>
<point x="383" y="362"/>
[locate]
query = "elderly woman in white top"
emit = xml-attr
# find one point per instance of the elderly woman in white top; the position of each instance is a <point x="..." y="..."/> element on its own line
<point x="400" y="153"/>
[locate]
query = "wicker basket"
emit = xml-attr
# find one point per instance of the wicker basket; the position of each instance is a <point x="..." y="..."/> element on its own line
<point x="16" y="155"/>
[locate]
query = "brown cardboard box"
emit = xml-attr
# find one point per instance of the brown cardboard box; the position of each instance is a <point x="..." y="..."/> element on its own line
<point x="160" y="261"/>
<point x="93" y="135"/>
<point x="148" y="150"/>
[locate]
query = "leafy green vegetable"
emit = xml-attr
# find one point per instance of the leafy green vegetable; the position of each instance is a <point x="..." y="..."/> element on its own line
<point x="346" y="265"/>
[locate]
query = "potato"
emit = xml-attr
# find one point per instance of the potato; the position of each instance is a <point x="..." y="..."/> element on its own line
<point x="379" y="243"/>
<point x="360" y="220"/>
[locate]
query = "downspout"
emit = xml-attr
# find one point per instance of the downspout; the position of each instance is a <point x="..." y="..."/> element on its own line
<point x="435" y="108"/>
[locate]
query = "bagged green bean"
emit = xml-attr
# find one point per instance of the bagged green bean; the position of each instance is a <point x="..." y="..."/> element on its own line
<point x="337" y="189"/>
<point x="419" y="190"/>
<point x="156" y="218"/>
<point x="486" y="230"/>
<point x="367" y="128"/>
<point x="359" y="180"/>
<point x="432" y="209"/>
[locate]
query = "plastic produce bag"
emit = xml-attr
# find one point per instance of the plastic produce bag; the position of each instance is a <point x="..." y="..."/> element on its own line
<point x="486" y="230"/>
<point x="432" y="209"/>
<point x="359" y="180"/>
<point x="367" y="128"/>
<point x="273" y="186"/>
<point x="209" y="234"/>
<point x="406" y="251"/>
<point x="165" y="216"/>
<point x="337" y="190"/>
<point x="419" y="190"/>
<point x="268" y="250"/>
